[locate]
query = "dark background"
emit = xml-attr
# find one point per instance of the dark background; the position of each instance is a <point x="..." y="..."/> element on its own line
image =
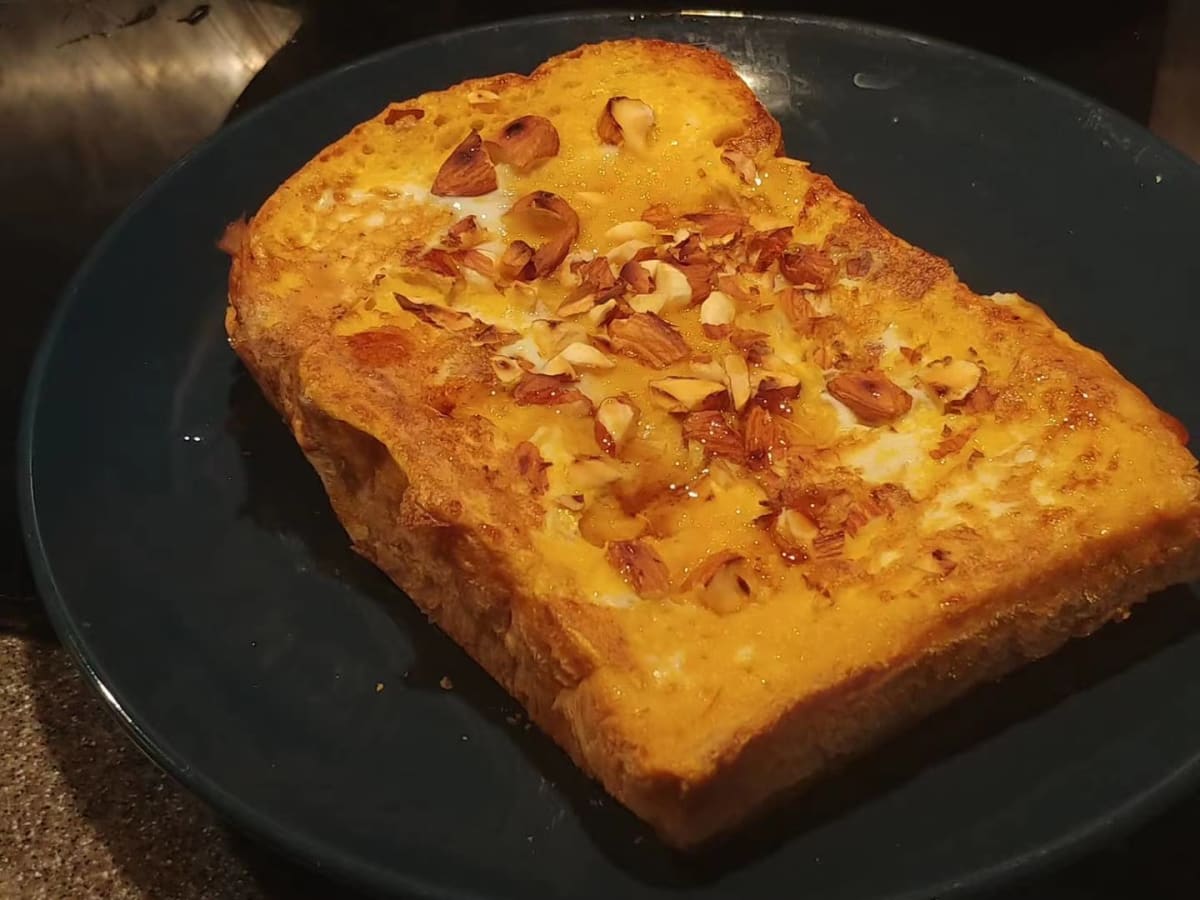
<point x="98" y="98"/>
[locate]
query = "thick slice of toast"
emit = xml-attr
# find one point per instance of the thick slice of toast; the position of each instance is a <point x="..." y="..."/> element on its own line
<point x="722" y="480"/>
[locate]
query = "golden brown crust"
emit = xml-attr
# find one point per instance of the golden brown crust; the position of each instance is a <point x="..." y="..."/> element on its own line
<point x="879" y="596"/>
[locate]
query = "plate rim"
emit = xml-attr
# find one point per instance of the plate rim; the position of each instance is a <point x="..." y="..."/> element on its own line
<point x="354" y="869"/>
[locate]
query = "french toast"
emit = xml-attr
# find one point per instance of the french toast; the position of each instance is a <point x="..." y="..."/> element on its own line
<point x="723" y="481"/>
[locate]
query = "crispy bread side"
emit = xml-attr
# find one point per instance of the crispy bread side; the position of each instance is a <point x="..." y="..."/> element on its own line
<point x="898" y="489"/>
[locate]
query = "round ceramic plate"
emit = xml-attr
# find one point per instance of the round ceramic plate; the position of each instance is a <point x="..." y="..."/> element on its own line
<point x="190" y="561"/>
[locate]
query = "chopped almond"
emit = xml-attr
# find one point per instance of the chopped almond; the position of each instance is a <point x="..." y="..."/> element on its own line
<point x="763" y="437"/>
<point x="709" y="429"/>
<point x="807" y="267"/>
<point x="637" y="277"/>
<point x="615" y="418"/>
<point x="648" y="339"/>
<point x="660" y="216"/>
<point x="437" y="260"/>
<point x="532" y="467"/>
<point x="438" y="316"/>
<point x="476" y="261"/>
<point x="951" y="379"/>
<point x="753" y="344"/>
<point x="467" y="172"/>
<point x="797" y="309"/>
<point x="514" y="260"/>
<point x="548" y="209"/>
<point x="980" y="400"/>
<point x="545" y="390"/>
<point x="717" y="222"/>
<point x="704" y="573"/>
<point x="766" y="247"/>
<point x="737" y="379"/>
<point x="525" y="142"/>
<point x="626" y="121"/>
<point x="716" y="315"/>
<point x="678" y="393"/>
<point x="827" y="546"/>
<point x="641" y="566"/>
<point x="742" y="165"/>
<point x="507" y="369"/>
<point x="466" y="232"/>
<point x="952" y="444"/>
<point x="634" y="230"/>
<point x="872" y="398"/>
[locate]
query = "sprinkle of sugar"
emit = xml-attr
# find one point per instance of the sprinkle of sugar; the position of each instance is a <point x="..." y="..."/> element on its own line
<point x="1158" y="179"/>
<point x="378" y="687"/>
<point x="446" y="684"/>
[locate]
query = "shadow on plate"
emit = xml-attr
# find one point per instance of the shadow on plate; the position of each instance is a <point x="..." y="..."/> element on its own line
<point x="281" y="493"/>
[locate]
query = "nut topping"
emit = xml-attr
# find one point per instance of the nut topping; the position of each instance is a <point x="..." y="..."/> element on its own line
<point x="871" y="396"/>
<point x="704" y="573"/>
<point x="467" y="171"/>
<point x="763" y="437"/>
<point x="532" y="467"/>
<point x="552" y="214"/>
<point x="514" y="260"/>
<point x="635" y="230"/>
<point x="678" y="393"/>
<point x="525" y="142"/>
<point x="626" y="121"/>
<point x="670" y="288"/>
<point x="507" y="369"/>
<point x="737" y="378"/>
<point x="718" y="222"/>
<point x="437" y="316"/>
<point x="577" y="355"/>
<point x="709" y="429"/>
<point x="545" y="390"/>
<point x="648" y="339"/>
<point x="951" y="379"/>
<point x="716" y="315"/>
<point x="614" y="420"/>
<point x="641" y="566"/>
<point x="807" y="267"/>
<point x="741" y="164"/>
<point x="638" y="278"/>
<point x="604" y="520"/>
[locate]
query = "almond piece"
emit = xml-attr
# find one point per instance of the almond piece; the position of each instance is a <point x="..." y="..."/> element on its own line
<point x="872" y="398"/>
<point x="514" y="260"/>
<point x="766" y="247"/>
<point x="700" y="277"/>
<point x="575" y="307"/>
<point x="635" y="230"/>
<point x="601" y="313"/>
<point x="532" y="467"/>
<point x="707" y="570"/>
<point x="482" y="98"/>
<point x="753" y="344"/>
<point x="626" y="121"/>
<point x="742" y="165"/>
<point x="982" y="400"/>
<point x="641" y="566"/>
<point x="615" y="418"/>
<point x="477" y="261"/>
<point x="951" y="379"/>
<point x="671" y="285"/>
<point x="467" y="171"/>
<point x="624" y="252"/>
<point x="583" y="356"/>
<point x="828" y="546"/>
<point x="648" y="339"/>
<point x="763" y="437"/>
<point x="549" y="212"/>
<point x="798" y="309"/>
<point x="507" y="369"/>
<point x="716" y="315"/>
<point x="438" y="316"/>
<point x="709" y="429"/>
<point x="637" y="276"/>
<point x="737" y="288"/>
<point x="525" y="142"/>
<point x="808" y="267"/>
<point x="678" y="393"/>
<point x="717" y="222"/>
<point x="737" y="379"/>
<point x="722" y="586"/>
<point x="951" y="444"/>
<point x="660" y="216"/>
<point x="545" y="390"/>
<point x="465" y="233"/>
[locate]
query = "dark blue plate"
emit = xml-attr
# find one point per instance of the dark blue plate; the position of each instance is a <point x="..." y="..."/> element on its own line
<point x="190" y="562"/>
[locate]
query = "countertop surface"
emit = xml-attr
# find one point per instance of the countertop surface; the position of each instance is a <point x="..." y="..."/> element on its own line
<point x="104" y="95"/>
